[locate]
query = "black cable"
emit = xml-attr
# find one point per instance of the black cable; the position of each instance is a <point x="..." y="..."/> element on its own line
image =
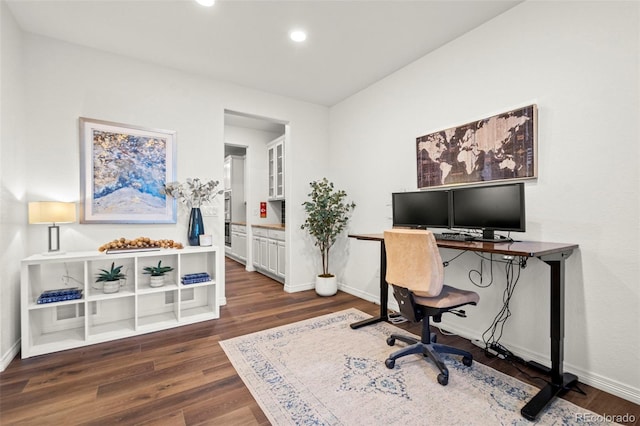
<point x="530" y="376"/>
<point x="496" y="328"/>
<point x="493" y="334"/>
<point x="446" y="262"/>
<point x="480" y="272"/>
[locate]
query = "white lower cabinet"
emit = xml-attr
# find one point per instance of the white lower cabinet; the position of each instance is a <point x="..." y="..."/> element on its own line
<point x="136" y="307"/>
<point x="264" y="253"/>
<point x="239" y="243"/>
<point x="273" y="256"/>
<point x="269" y="252"/>
<point x="281" y="259"/>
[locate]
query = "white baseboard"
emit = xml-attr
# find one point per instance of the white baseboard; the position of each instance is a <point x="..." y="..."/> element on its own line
<point x="392" y="304"/>
<point x="299" y="287"/>
<point x="9" y="355"/>
<point x="360" y="294"/>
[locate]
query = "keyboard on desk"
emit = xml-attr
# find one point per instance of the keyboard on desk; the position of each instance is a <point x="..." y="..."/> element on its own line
<point x="452" y="236"/>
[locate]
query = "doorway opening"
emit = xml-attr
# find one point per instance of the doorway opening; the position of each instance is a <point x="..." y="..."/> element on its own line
<point x="253" y="214"/>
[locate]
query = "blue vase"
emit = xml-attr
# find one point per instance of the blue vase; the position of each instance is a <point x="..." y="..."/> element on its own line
<point x="196" y="227"/>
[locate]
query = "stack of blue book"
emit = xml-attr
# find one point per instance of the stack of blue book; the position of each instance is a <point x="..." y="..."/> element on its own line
<point x="199" y="277"/>
<point x="60" y="295"/>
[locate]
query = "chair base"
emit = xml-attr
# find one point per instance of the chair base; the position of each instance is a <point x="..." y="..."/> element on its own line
<point x="428" y="350"/>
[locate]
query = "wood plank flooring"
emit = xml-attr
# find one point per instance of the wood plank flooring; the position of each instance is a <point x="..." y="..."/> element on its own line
<point x="182" y="376"/>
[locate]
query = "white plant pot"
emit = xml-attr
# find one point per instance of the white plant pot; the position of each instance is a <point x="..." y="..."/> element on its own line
<point x="326" y="286"/>
<point x="157" y="281"/>
<point x="111" y="286"/>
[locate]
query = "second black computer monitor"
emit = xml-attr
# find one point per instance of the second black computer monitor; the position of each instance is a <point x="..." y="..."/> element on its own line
<point x="489" y="208"/>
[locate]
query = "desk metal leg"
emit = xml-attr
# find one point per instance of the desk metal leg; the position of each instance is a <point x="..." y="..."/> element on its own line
<point x="384" y="293"/>
<point x="560" y="381"/>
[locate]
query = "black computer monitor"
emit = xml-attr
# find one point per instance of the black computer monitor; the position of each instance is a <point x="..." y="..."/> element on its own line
<point x="489" y="208"/>
<point x="421" y="210"/>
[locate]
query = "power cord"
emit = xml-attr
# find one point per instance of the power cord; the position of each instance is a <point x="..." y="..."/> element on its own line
<point x="447" y="262"/>
<point x="480" y="272"/>
<point x="501" y="352"/>
<point x="492" y="335"/>
<point x="66" y="278"/>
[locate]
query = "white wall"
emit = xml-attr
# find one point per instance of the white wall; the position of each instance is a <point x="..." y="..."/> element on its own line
<point x="578" y="61"/>
<point x="63" y="82"/>
<point x="13" y="212"/>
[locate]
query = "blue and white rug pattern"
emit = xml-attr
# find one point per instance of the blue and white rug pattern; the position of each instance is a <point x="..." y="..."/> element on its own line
<point x="321" y="372"/>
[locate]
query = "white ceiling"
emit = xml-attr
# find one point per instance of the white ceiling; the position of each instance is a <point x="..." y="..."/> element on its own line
<point x="350" y="44"/>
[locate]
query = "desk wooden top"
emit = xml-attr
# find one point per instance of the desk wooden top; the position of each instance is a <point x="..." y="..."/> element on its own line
<point x="515" y="248"/>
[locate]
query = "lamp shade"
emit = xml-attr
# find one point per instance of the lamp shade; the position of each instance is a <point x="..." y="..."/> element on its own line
<point x="52" y="212"/>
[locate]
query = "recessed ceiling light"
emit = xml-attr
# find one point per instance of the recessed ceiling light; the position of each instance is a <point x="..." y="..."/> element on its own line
<point x="207" y="3"/>
<point x="298" y="36"/>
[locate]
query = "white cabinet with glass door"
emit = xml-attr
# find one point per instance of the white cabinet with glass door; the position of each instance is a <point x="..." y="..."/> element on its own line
<point x="276" y="168"/>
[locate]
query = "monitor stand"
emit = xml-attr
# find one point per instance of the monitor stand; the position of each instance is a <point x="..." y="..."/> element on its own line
<point x="488" y="236"/>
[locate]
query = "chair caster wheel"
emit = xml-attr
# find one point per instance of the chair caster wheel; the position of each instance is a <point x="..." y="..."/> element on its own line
<point x="391" y="341"/>
<point x="443" y="380"/>
<point x="390" y="363"/>
<point x="467" y="361"/>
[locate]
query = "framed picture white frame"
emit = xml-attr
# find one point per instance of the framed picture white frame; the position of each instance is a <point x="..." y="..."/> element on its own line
<point x="123" y="169"/>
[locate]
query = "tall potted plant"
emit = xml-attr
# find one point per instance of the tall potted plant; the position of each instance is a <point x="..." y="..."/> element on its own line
<point x="327" y="216"/>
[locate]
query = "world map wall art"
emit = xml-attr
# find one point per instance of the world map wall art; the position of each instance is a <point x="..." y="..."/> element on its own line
<point x="123" y="171"/>
<point x="500" y="147"/>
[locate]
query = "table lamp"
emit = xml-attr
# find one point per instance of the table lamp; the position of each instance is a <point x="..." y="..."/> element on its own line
<point x="52" y="212"/>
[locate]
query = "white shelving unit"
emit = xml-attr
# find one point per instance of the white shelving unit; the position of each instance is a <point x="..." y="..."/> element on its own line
<point x="135" y="309"/>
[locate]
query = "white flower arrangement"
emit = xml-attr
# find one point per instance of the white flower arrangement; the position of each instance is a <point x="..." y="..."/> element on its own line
<point x="193" y="192"/>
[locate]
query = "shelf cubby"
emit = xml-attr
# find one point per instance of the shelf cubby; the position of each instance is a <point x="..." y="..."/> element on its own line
<point x="197" y="301"/>
<point x="52" y="330"/>
<point x="158" y="308"/>
<point x="111" y="316"/>
<point x="54" y="276"/>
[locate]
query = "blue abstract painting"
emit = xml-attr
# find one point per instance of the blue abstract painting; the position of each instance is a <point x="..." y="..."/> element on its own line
<point x="128" y="168"/>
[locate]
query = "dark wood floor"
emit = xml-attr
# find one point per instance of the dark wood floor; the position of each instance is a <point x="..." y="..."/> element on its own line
<point x="182" y="376"/>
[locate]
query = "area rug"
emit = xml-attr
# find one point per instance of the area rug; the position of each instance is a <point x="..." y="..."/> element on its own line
<point x="321" y="372"/>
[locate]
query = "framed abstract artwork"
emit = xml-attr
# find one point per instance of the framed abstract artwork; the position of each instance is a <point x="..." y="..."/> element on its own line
<point x="123" y="169"/>
<point x="500" y="147"/>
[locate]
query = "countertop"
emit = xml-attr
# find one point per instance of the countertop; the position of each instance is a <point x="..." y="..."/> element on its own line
<point x="277" y="226"/>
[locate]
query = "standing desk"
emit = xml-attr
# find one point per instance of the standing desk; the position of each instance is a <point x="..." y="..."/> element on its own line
<point x="554" y="255"/>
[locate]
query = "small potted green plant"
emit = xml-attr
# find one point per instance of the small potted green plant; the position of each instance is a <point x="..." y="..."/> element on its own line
<point x="327" y="216"/>
<point x="111" y="278"/>
<point x="157" y="274"/>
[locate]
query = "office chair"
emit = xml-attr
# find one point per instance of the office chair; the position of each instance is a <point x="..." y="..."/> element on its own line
<point x="415" y="271"/>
